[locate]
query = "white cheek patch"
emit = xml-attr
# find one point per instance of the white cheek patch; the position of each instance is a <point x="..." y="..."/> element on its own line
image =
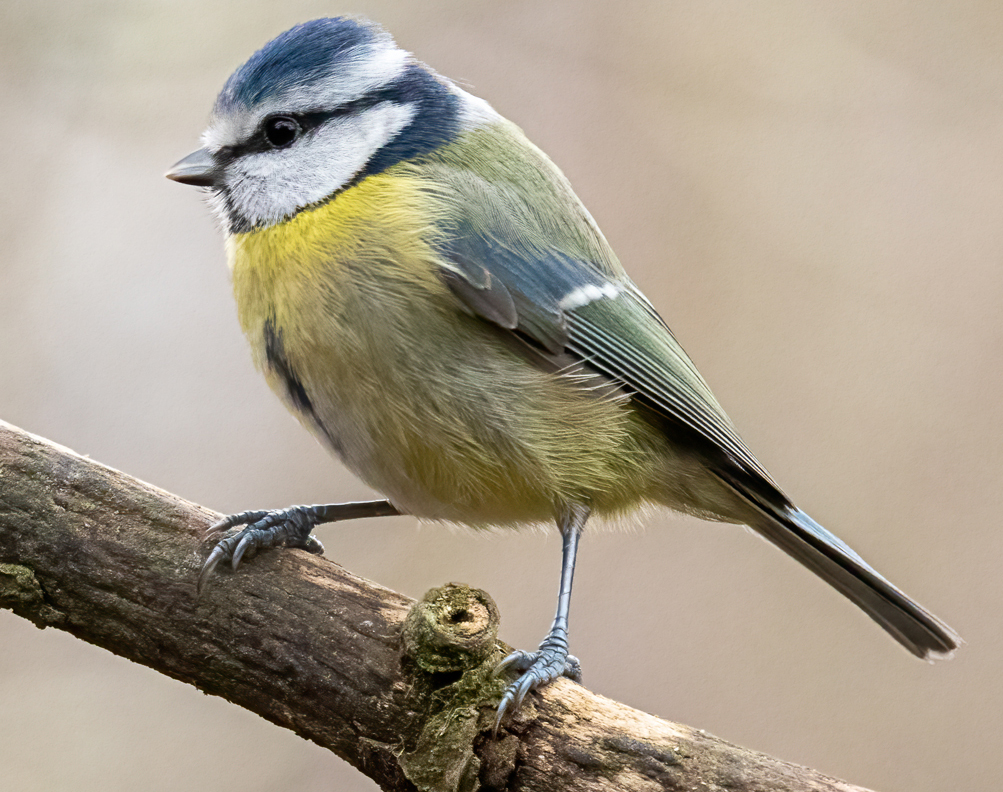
<point x="270" y="186"/>
<point x="590" y="292"/>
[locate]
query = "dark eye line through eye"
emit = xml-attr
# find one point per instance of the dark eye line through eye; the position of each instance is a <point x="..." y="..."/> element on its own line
<point x="314" y="119"/>
<point x="310" y="120"/>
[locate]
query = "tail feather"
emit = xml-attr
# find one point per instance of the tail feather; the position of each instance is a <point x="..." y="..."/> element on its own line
<point x="831" y="559"/>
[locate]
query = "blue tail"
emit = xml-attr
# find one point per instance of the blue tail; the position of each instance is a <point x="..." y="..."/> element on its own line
<point x="835" y="562"/>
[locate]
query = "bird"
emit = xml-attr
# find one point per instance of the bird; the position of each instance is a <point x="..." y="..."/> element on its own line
<point x="424" y="290"/>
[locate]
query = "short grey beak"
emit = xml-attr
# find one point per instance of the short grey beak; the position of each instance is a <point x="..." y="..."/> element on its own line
<point x="198" y="169"/>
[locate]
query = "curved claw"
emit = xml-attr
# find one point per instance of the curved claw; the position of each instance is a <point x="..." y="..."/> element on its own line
<point x="538" y="669"/>
<point x="513" y="696"/>
<point x="247" y="542"/>
<point x="518" y="659"/>
<point x="281" y="528"/>
<point x="233" y="520"/>
<point x="217" y="554"/>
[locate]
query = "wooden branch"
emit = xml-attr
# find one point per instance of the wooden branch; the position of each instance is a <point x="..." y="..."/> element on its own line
<point x="401" y="690"/>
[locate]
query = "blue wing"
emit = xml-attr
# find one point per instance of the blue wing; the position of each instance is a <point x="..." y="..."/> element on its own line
<point x="552" y="294"/>
<point x="561" y="288"/>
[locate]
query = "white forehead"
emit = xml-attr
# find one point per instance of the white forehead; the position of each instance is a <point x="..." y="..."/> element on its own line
<point x="362" y="69"/>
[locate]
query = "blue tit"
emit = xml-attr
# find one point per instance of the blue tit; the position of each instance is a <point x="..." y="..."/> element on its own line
<point x="423" y="289"/>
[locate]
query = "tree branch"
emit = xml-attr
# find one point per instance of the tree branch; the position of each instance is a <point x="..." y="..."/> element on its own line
<point x="401" y="690"/>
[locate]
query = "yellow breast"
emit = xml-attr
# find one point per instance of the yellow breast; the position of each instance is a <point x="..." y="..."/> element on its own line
<point x="429" y="405"/>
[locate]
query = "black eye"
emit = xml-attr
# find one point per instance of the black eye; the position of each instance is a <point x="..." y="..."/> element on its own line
<point x="282" y="131"/>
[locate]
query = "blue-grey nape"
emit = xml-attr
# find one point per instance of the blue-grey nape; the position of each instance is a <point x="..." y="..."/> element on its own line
<point x="301" y="55"/>
<point x="435" y="122"/>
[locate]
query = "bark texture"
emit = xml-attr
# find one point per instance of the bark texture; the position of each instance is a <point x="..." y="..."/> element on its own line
<point x="401" y="690"/>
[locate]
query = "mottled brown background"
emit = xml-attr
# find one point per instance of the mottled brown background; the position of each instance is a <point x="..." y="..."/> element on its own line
<point x="811" y="193"/>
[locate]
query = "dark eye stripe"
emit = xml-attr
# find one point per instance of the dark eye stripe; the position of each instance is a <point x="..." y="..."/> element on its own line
<point x="433" y="124"/>
<point x="364" y="102"/>
<point x="309" y="121"/>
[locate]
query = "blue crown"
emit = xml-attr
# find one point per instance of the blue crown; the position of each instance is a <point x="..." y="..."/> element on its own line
<point x="299" y="56"/>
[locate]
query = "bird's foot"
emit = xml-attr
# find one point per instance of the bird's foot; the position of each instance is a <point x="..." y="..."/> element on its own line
<point x="536" y="670"/>
<point x="279" y="528"/>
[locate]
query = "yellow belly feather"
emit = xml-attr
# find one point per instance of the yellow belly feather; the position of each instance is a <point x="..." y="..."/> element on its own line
<point x="472" y="433"/>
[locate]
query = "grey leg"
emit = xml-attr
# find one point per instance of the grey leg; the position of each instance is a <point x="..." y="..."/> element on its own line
<point x="552" y="659"/>
<point x="282" y="528"/>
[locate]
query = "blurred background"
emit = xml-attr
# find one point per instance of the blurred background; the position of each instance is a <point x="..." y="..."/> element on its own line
<point x="809" y="193"/>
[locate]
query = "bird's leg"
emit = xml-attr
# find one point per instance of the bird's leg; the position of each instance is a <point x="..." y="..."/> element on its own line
<point x="281" y="528"/>
<point x="551" y="660"/>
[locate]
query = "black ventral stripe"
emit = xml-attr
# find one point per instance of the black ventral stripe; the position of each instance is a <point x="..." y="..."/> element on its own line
<point x="278" y="362"/>
<point x="275" y="354"/>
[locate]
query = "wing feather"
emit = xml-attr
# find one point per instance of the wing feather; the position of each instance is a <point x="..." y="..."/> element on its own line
<point x="552" y="279"/>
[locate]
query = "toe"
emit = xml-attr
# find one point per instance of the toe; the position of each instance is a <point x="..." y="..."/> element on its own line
<point x="519" y="660"/>
<point x="538" y="669"/>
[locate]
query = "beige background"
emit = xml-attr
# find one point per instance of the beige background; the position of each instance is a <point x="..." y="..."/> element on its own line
<point x="811" y="193"/>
